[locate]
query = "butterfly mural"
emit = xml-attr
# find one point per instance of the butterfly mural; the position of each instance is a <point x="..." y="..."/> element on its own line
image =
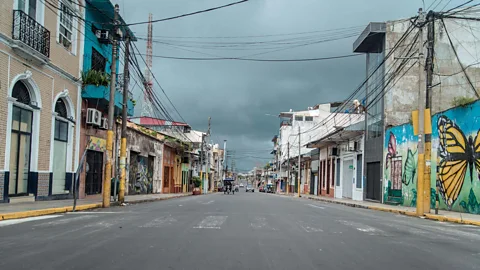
<point x="392" y="148"/>
<point x="457" y="154"/>
<point x="410" y="168"/>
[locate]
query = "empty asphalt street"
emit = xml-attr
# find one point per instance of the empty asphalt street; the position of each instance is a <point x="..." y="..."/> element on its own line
<point x="241" y="231"/>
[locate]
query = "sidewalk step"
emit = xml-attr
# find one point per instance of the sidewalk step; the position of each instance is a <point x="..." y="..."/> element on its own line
<point x="22" y="199"/>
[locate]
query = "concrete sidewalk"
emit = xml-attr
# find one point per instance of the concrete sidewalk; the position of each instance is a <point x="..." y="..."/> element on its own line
<point x="39" y="208"/>
<point x="456" y="217"/>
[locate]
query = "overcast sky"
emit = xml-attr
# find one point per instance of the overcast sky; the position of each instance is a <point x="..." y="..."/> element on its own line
<point x="237" y="94"/>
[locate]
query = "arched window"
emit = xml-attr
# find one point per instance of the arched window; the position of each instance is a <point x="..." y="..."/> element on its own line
<point x="61" y="108"/>
<point x="21" y="93"/>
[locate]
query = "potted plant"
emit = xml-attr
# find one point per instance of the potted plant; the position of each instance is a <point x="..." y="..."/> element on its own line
<point x="94" y="77"/>
<point x="196" y="185"/>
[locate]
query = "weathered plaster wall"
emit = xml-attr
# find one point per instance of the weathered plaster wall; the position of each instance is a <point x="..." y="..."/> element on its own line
<point x="449" y="81"/>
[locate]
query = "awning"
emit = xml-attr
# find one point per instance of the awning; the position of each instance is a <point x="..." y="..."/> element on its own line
<point x="338" y="136"/>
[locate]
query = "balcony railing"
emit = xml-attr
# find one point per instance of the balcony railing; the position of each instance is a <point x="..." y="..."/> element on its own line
<point x="30" y="32"/>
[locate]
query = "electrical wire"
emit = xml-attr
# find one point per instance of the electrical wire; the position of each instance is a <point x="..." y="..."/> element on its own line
<point x="360" y="27"/>
<point x="358" y="89"/>
<point x="458" y="59"/>
<point x="155" y="100"/>
<point x="159" y="85"/>
<point x="187" y="14"/>
<point x="258" y="60"/>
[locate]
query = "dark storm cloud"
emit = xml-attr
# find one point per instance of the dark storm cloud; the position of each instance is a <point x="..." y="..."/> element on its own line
<point x="237" y="94"/>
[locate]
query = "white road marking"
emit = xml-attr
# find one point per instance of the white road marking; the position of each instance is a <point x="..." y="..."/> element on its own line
<point x="209" y="202"/>
<point x="308" y="228"/>
<point x="315" y="206"/>
<point x="64" y="221"/>
<point x="211" y="222"/>
<point x="261" y="223"/>
<point x="18" y="221"/>
<point x="362" y="227"/>
<point x="159" y="222"/>
<point x="89" y="213"/>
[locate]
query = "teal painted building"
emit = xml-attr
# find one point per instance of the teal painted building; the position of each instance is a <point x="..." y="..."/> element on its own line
<point x="97" y="61"/>
<point x="98" y="54"/>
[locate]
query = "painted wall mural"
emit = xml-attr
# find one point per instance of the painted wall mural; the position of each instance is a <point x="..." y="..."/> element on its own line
<point x="455" y="163"/>
<point x="400" y="166"/>
<point x="140" y="174"/>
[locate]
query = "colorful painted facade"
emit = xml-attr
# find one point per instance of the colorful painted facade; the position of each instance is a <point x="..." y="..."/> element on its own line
<point x="455" y="162"/>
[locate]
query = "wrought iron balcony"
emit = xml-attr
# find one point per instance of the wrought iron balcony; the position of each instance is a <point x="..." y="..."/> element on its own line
<point x="31" y="33"/>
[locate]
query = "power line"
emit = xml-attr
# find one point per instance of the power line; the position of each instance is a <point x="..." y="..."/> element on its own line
<point x="159" y="85"/>
<point x="332" y="117"/>
<point x="266" y="35"/>
<point x="188" y="14"/>
<point x="156" y="102"/>
<point x="255" y="59"/>
<point x="459" y="6"/>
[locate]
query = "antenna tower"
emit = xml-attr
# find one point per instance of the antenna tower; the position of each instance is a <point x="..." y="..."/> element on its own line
<point x="147" y="97"/>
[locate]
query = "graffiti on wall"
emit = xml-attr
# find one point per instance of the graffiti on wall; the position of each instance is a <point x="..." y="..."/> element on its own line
<point x="455" y="162"/>
<point x="140" y="175"/>
<point x="400" y="166"/>
<point x="458" y="161"/>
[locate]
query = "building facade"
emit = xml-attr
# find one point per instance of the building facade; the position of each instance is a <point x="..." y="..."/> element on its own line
<point x="40" y="57"/>
<point x="452" y="90"/>
<point x="96" y="73"/>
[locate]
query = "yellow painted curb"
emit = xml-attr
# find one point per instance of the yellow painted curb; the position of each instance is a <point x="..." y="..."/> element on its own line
<point x="453" y="220"/>
<point x="48" y="211"/>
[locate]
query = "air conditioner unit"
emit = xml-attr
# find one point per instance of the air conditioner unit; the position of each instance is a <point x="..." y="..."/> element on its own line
<point x="103" y="35"/>
<point x="94" y="117"/>
<point x="352" y="145"/>
<point x="104" y="123"/>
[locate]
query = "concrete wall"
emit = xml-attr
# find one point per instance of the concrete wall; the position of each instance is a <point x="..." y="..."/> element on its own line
<point x="448" y="79"/>
<point x="141" y="146"/>
<point x="463" y="123"/>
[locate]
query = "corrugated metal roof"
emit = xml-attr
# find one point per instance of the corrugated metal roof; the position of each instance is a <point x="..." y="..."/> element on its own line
<point x="151" y="121"/>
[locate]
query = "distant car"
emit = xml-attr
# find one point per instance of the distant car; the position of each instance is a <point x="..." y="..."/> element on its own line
<point x="249" y="188"/>
<point x="241" y="185"/>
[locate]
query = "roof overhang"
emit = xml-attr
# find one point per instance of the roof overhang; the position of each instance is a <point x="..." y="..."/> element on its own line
<point x="338" y="136"/>
<point x="286" y="114"/>
<point x="370" y="37"/>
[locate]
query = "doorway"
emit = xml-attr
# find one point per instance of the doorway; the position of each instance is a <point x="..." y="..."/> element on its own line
<point x="373" y="181"/>
<point x="94" y="173"/>
<point x="20" y="151"/>
<point x="60" y="144"/>
<point x="313" y="183"/>
<point x="347" y="173"/>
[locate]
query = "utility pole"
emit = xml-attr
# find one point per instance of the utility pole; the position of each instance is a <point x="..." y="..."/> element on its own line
<point x="224" y="165"/>
<point x="111" y="105"/>
<point x="288" y="166"/>
<point x="280" y="164"/>
<point x="428" y="103"/>
<point x="201" y="158"/>
<point x="123" y="144"/>
<point x="299" y="162"/>
<point x="205" y="189"/>
<point x="421" y="117"/>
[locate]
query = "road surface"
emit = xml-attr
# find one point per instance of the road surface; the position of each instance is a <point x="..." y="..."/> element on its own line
<point x="241" y="231"/>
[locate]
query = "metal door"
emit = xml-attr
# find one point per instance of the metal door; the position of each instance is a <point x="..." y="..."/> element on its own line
<point x="94" y="172"/>
<point x="373" y="181"/>
<point x="347" y="179"/>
